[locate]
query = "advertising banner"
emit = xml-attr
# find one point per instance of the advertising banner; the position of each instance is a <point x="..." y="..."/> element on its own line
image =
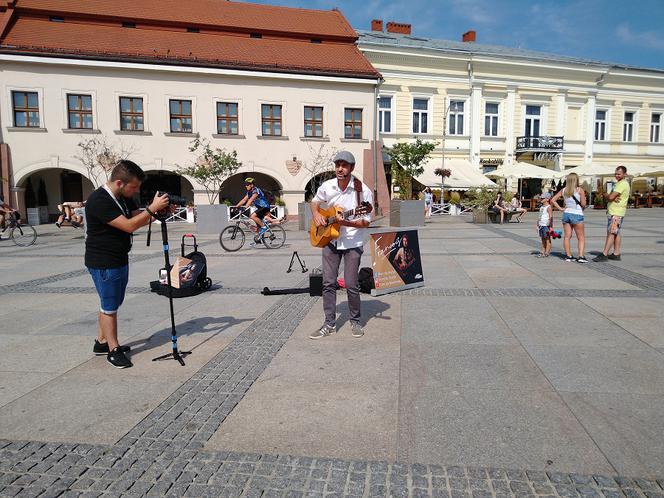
<point x="396" y="261"/>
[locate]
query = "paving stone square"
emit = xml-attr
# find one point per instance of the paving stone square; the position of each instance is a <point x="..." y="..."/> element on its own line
<point x="505" y="376"/>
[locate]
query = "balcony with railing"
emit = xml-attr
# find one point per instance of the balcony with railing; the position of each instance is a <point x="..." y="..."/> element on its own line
<point x="539" y="144"/>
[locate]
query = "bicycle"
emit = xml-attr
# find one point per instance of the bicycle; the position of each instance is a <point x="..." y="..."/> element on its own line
<point x="232" y="237"/>
<point x="22" y="234"/>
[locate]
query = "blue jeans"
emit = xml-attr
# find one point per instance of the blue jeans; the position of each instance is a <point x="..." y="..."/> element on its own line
<point x="572" y="219"/>
<point x="111" y="284"/>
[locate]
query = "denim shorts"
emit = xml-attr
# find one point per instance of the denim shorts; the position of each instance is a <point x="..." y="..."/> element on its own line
<point x="111" y="284"/>
<point x="572" y="219"/>
<point x="544" y="232"/>
<point x="620" y="222"/>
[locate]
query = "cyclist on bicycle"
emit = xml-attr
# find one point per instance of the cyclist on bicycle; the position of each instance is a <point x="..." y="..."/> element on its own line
<point x="5" y="211"/>
<point x="256" y="197"/>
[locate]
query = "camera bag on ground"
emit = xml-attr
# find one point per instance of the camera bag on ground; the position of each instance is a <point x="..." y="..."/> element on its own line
<point x="366" y="280"/>
<point x="190" y="271"/>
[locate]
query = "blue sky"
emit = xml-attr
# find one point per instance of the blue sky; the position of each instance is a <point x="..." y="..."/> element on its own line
<point x="628" y="32"/>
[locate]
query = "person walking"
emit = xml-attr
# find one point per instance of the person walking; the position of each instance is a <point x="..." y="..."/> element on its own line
<point x="616" y="209"/>
<point x="544" y="224"/>
<point x="428" y="201"/>
<point x="575" y="200"/>
<point x="112" y="217"/>
<point x="347" y="192"/>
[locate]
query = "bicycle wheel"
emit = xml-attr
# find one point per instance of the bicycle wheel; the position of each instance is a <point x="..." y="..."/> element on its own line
<point x="231" y="238"/>
<point x="274" y="237"/>
<point x="23" y="235"/>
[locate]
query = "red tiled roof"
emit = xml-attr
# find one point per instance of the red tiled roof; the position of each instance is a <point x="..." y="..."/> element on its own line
<point x="219" y="13"/>
<point x="93" y="28"/>
<point x="219" y="50"/>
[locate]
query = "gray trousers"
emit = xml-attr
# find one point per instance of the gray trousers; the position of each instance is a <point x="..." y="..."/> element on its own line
<point x="331" y="262"/>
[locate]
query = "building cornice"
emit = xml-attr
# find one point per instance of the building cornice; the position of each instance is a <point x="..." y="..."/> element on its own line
<point x="65" y="61"/>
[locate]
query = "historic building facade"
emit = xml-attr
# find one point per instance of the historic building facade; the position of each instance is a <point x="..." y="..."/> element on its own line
<point x="493" y="105"/>
<point x="280" y="86"/>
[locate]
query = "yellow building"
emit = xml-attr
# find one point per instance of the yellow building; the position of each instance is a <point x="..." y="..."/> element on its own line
<point x="492" y="105"/>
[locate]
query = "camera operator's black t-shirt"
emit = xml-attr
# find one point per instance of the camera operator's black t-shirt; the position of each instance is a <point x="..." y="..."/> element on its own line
<point x="106" y="246"/>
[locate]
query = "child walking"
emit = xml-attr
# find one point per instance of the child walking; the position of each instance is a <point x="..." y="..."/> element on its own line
<point x="544" y="224"/>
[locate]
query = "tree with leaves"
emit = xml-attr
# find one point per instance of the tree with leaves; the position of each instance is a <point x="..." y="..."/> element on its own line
<point x="211" y="167"/>
<point x="407" y="160"/>
<point x="319" y="166"/>
<point x="99" y="156"/>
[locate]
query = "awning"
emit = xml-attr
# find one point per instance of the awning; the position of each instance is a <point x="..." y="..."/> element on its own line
<point x="522" y="170"/>
<point x="596" y="169"/>
<point x="464" y="176"/>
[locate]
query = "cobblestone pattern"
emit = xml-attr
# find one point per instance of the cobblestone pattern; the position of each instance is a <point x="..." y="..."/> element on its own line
<point x="192" y="414"/>
<point x="50" y="470"/>
<point x="425" y="291"/>
<point x="611" y="270"/>
<point x="37" y="282"/>
<point x="130" y="290"/>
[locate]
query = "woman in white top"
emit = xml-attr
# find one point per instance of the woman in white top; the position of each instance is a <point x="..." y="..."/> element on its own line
<point x="428" y="201"/>
<point x="575" y="200"/>
<point x="517" y="207"/>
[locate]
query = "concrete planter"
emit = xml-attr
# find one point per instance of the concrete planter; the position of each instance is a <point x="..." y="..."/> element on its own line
<point x="406" y="213"/>
<point x="33" y="216"/>
<point x="43" y="214"/>
<point x="212" y="218"/>
<point x="480" y="216"/>
<point x="455" y="210"/>
<point x="304" y="215"/>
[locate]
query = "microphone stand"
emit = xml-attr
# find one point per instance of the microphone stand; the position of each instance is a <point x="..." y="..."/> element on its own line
<point x="175" y="354"/>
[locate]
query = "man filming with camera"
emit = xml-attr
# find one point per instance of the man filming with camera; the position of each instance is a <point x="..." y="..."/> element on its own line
<point x="112" y="217"/>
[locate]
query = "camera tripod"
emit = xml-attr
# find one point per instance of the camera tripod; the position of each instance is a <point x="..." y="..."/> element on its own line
<point x="175" y="354"/>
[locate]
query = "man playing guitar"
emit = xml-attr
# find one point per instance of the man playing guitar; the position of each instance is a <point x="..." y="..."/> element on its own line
<point x="347" y="192"/>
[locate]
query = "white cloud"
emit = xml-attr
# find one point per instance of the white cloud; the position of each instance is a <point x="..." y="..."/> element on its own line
<point x="477" y="11"/>
<point x="647" y="39"/>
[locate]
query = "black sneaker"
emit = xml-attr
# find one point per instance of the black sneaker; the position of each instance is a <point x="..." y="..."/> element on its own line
<point x="101" y="348"/>
<point x="118" y="359"/>
<point x="599" y="258"/>
<point x="614" y="257"/>
<point x="581" y="259"/>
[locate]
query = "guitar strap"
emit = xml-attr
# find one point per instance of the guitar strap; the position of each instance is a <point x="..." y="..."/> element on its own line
<point x="358" y="190"/>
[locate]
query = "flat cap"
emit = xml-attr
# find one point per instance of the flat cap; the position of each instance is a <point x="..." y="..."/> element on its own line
<point x="344" y="155"/>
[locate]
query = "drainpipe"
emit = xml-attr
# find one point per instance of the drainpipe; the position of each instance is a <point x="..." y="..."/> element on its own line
<point x="375" y="149"/>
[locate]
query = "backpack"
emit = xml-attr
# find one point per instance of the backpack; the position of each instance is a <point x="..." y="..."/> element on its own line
<point x="198" y="280"/>
<point x="366" y="280"/>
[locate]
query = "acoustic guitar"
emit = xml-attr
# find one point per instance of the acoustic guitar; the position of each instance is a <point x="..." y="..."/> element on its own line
<point x="323" y="235"/>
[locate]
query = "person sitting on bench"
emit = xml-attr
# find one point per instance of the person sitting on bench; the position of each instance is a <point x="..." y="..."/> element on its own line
<point x="67" y="214"/>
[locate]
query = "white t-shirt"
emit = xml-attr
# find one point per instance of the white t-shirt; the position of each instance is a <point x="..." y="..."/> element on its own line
<point x="544" y="217"/>
<point x="572" y="206"/>
<point x="330" y="194"/>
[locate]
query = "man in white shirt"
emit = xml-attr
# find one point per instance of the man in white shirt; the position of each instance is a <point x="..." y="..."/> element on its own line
<point x="340" y="191"/>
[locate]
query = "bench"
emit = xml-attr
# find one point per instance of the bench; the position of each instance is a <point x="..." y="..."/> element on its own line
<point x="494" y="217"/>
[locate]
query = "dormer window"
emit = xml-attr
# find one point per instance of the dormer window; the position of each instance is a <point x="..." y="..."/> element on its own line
<point x="255" y="35"/>
<point x="128" y="24"/>
<point x="316" y="40"/>
<point x="193" y="30"/>
<point x="56" y="19"/>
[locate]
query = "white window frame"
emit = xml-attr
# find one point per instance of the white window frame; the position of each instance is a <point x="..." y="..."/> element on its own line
<point x="656" y="127"/>
<point x="194" y="121"/>
<point x="284" y="122"/>
<point x="629" y="125"/>
<point x="10" y="106"/>
<point x="497" y="119"/>
<point x="240" y="117"/>
<point x="326" y="122"/>
<point x="542" y="117"/>
<point x="65" y="119"/>
<point x="144" y="96"/>
<point x="365" y="121"/>
<point x="451" y="113"/>
<point x="392" y="110"/>
<point x="427" y="98"/>
<point x="605" y="121"/>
